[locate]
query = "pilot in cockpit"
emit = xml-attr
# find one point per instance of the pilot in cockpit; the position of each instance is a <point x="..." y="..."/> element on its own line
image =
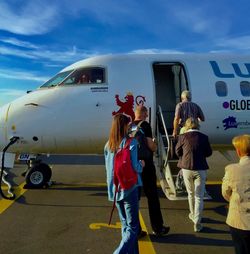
<point x="84" y="79"/>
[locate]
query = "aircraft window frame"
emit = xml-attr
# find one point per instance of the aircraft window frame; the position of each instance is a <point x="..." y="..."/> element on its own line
<point x="245" y="88"/>
<point x="94" y="75"/>
<point x="57" y="79"/>
<point x="221" y="88"/>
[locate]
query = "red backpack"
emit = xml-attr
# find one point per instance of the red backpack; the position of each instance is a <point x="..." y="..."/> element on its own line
<point x="124" y="174"/>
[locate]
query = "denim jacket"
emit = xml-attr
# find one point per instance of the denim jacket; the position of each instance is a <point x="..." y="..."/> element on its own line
<point x="109" y="164"/>
<point x="236" y="190"/>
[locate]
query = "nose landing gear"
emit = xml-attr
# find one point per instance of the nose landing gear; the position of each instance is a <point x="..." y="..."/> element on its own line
<point x="38" y="175"/>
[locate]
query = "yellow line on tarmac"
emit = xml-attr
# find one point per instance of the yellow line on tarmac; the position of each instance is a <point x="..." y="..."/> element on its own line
<point x="5" y="203"/>
<point x="84" y="185"/>
<point x="213" y="182"/>
<point x="99" y="185"/>
<point x="99" y="225"/>
<point x="145" y="244"/>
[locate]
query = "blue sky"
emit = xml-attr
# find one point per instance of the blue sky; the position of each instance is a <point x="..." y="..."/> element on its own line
<point x="39" y="38"/>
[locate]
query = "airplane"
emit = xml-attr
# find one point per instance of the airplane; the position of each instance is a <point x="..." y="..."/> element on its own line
<point x="71" y="113"/>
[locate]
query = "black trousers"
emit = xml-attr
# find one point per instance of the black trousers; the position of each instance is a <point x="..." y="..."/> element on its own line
<point x="150" y="189"/>
<point x="241" y="239"/>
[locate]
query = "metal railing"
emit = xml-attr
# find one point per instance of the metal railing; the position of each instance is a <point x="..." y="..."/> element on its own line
<point x="161" y="122"/>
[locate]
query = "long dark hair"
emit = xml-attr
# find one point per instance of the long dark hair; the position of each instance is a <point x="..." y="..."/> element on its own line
<point x="118" y="131"/>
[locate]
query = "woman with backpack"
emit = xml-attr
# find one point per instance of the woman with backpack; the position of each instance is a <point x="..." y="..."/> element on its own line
<point x="126" y="199"/>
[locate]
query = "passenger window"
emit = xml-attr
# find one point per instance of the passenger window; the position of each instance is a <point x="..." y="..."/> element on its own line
<point x="245" y="88"/>
<point x="94" y="75"/>
<point x="221" y="88"/>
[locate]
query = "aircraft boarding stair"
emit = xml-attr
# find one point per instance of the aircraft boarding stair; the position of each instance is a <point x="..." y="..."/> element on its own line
<point x="166" y="162"/>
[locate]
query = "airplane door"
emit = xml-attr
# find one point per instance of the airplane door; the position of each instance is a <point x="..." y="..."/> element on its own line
<point x="170" y="81"/>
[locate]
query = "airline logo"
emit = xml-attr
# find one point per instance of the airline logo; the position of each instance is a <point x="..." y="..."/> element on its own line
<point x="231" y="122"/>
<point x="127" y="105"/>
<point x="236" y="70"/>
<point x="237" y="104"/>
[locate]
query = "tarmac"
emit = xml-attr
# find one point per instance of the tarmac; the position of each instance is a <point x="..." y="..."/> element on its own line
<point x="72" y="215"/>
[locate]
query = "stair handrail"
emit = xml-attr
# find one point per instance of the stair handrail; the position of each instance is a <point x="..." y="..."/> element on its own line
<point x="165" y="132"/>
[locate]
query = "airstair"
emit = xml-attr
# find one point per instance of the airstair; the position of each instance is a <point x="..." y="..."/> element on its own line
<point x="166" y="161"/>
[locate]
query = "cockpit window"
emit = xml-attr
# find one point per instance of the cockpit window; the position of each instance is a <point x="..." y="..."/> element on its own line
<point x="57" y="79"/>
<point x="93" y="75"/>
<point x="86" y="76"/>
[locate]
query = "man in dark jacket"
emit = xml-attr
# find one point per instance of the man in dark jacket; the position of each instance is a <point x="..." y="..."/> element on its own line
<point x="149" y="175"/>
<point x="192" y="149"/>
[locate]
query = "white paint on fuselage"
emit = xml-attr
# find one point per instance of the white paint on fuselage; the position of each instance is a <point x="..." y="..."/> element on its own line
<point x="75" y="119"/>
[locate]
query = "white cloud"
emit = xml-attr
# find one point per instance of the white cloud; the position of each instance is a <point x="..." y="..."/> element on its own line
<point x="21" y="75"/>
<point x="156" y="51"/>
<point x="53" y="65"/>
<point x="16" y="52"/>
<point x="8" y="95"/>
<point x="109" y="12"/>
<point x="237" y="43"/>
<point x="70" y="55"/>
<point x="12" y="92"/>
<point x="39" y="17"/>
<point x="28" y="17"/>
<point x="41" y="53"/>
<point x="18" y="43"/>
<point x="202" y="19"/>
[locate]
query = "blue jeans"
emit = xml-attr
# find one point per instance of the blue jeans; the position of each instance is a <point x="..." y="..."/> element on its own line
<point x="128" y="210"/>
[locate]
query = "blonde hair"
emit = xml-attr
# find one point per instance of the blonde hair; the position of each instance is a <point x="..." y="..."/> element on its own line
<point x="118" y="131"/>
<point x="192" y="123"/>
<point x="242" y="143"/>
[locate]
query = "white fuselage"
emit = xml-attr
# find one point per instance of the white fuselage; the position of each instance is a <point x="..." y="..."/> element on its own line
<point x="75" y="119"/>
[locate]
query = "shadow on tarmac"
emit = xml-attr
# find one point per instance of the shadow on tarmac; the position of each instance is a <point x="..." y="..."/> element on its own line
<point x="214" y="190"/>
<point x="193" y="239"/>
<point x="23" y="201"/>
<point x="212" y="221"/>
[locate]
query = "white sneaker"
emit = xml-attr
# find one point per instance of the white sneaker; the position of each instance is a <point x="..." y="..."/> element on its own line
<point x="197" y="227"/>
